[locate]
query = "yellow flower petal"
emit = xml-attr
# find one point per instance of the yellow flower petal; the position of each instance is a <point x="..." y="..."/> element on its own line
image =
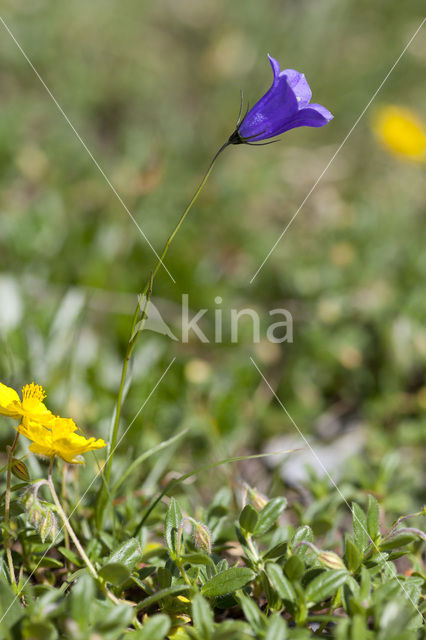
<point x="401" y="132"/>
<point x="32" y="405"/>
<point x="58" y="438"/>
<point x="10" y="403"/>
<point x="42" y="450"/>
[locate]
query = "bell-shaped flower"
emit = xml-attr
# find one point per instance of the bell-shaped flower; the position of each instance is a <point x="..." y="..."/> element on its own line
<point x="286" y="105"/>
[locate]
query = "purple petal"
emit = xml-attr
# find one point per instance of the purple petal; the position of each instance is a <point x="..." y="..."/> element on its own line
<point x="268" y="114"/>
<point x="300" y="86"/>
<point x="313" y="116"/>
<point x="284" y="106"/>
<point x="275" y="67"/>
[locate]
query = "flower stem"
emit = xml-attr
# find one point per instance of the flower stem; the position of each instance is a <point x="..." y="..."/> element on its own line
<point x="67" y="524"/>
<point x="64" y="497"/>
<point x="73" y="536"/>
<point x="136" y="329"/>
<point x="10" y="453"/>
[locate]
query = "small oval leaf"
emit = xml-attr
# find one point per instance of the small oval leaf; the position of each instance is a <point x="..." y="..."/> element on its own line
<point x="202" y="616"/>
<point x="115" y="572"/>
<point x="280" y="582"/>
<point x="227" y="582"/>
<point x="173" y="520"/>
<point x="155" y="628"/>
<point x="325" y="585"/>
<point x="269" y="515"/>
<point x="248" y="518"/>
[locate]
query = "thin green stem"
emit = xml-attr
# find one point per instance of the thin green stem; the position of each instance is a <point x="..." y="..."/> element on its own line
<point x="67" y="524"/>
<point x="135" y="330"/>
<point x="188" y="208"/>
<point x="74" y="538"/>
<point x="137" y="326"/>
<point x="10" y="453"/>
<point x="64" y="498"/>
<point x="254" y="551"/>
<point x="104" y="492"/>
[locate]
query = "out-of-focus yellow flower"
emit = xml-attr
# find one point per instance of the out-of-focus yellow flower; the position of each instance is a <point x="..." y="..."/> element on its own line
<point x="58" y="438"/>
<point x="401" y="132"/>
<point x="30" y="407"/>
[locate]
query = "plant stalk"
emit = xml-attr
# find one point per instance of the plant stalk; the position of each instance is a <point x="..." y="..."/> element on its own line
<point x="73" y="536"/>
<point x="135" y="330"/>
<point x="10" y="453"/>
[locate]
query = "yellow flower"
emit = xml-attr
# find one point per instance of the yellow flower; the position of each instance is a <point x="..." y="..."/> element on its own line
<point x="30" y="407"/>
<point x="401" y="132"/>
<point x="58" y="438"/>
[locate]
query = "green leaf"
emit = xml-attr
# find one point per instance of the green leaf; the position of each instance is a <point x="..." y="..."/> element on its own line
<point x="71" y="556"/>
<point x="121" y="562"/>
<point x="164" y="577"/>
<point x="52" y="563"/>
<point x="359" y="629"/>
<point x="397" y="540"/>
<point x="198" y="558"/>
<point x="365" y="586"/>
<point x="174" y="590"/>
<point x="38" y="630"/>
<point x="227" y="582"/>
<point x="269" y="515"/>
<point x="373" y="518"/>
<point x="248" y="518"/>
<point x="272" y="597"/>
<point x="112" y="617"/>
<point x="294" y="568"/>
<point x="155" y="628"/>
<point x="302" y="534"/>
<point x="277" y="628"/>
<point x="277" y="551"/>
<point x="129" y="553"/>
<point x="325" y="585"/>
<point x="10" y="608"/>
<point x="353" y="554"/>
<point x="359" y="522"/>
<point x="82" y="595"/>
<point x="280" y="582"/>
<point x="115" y="572"/>
<point x="202" y="616"/>
<point x="173" y="520"/>
<point x="251" y="611"/>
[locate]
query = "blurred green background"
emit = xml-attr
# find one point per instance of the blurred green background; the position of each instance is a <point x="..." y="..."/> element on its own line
<point x="153" y="88"/>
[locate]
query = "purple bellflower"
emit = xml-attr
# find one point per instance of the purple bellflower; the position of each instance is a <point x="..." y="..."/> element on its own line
<point x="285" y="106"/>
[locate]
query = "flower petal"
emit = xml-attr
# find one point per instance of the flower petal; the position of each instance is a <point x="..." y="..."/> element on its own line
<point x="267" y="116"/>
<point x="10" y="402"/>
<point x="313" y="116"/>
<point x="62" y="427"/>
<point x="73" y="445"/>
<point x="299" y="85"/>
<point x="41" y="450"/>
<point x="275" y="67"/>
<point x="284" y="106"/>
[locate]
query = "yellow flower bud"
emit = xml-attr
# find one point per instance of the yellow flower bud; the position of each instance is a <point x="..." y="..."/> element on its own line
<point x="202" y="537"/>
<point x="331" y="560"/>
<point x="48" y="526"/>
